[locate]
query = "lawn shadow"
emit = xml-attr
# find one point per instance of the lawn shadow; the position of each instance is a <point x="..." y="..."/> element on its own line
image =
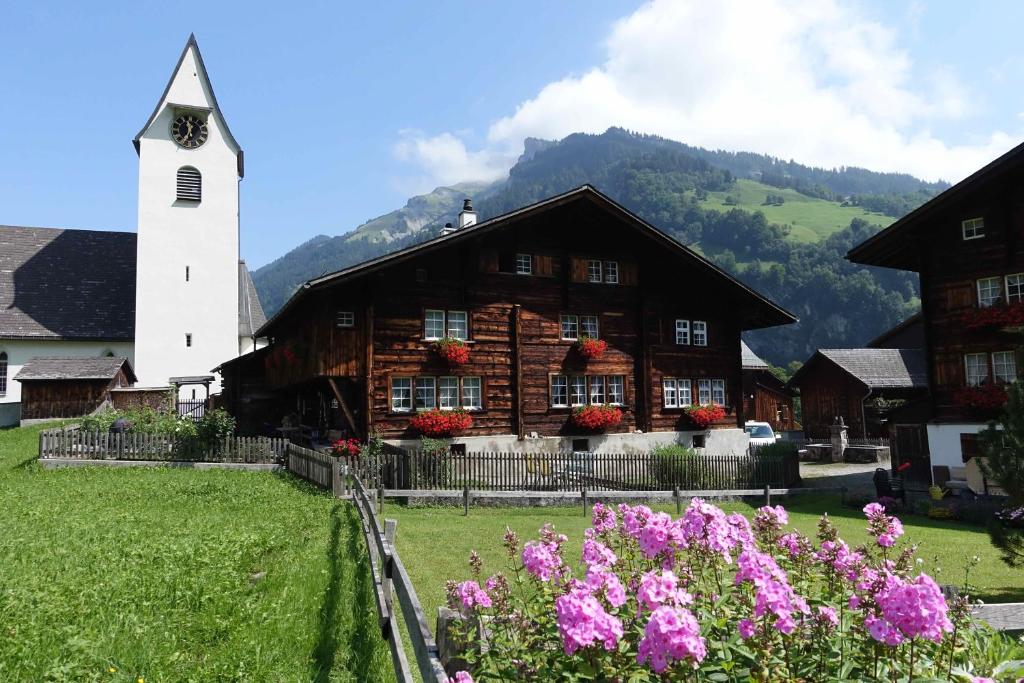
<point x="363" y="636"/>
<point x="327" y="629"/>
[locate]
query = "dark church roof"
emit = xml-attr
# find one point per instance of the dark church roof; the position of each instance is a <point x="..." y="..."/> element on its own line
<point x="105" y="368"/>
<point x="250" y="311"/>
<point x="67" y="284"/>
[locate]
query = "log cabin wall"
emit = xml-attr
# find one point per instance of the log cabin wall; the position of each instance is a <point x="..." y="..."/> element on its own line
<point x="950" y="270"/>
<point x="765" y="399"/>
<point x="44" y="399"/>
<point x="828" y="392"/>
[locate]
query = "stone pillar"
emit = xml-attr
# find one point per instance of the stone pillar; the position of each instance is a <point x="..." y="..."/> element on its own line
<point x="840" y="439"/>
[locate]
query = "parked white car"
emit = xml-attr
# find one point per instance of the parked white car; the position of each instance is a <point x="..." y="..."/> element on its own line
<point x="761" y="433"/>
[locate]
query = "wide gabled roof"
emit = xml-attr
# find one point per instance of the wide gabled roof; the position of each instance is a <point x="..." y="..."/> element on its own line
<point x="192" y="43"/>
<point x="63" y="369"/>
<point x="774" y="314"/>
<point x="67" y="284"/>
<point x="749" y="359"/>
<point x="894" y="248"/>
<point x="875" y="368"/>
<point x="250" y="311"/>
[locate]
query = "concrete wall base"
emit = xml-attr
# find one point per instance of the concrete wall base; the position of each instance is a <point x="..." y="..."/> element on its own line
<point x="10" y="414"/>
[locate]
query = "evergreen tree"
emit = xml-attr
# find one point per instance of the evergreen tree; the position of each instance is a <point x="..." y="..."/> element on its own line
<point x="1002" y="444"/>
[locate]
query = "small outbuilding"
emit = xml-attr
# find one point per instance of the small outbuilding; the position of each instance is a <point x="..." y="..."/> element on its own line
<point x="70" y="387"/>
<point x="766" y="398"/>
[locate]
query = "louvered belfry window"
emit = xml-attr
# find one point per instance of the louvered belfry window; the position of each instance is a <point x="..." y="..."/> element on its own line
<point x="190" y="184"/>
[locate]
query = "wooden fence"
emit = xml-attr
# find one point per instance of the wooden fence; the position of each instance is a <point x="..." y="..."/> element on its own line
<point x="86" y="445"/>
<point x="396" y="597"/>
<point x="322" y="469"/>
<point x="573" y="471"/>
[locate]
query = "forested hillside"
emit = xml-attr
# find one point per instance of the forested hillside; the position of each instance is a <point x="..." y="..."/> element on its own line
<point x="710" y="201"/>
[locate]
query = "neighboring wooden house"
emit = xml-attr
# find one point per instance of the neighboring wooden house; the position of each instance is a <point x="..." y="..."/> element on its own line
<point x="861" y="386"/>
<point x="909" y="334"/>
<point x="70" y="387"/>
<point x="766" y="398"/>
<point x="354" y="350"/>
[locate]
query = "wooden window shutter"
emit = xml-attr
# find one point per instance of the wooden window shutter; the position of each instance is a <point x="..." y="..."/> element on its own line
<point x="969" y="446"/>
<point x="628" y="274"/>
<point x="960" y="296"/>
<point x="578" y="269"/>
<point x="947" y="373"/>
<point x="543" y="265"/>
<point x="488" y="261"/>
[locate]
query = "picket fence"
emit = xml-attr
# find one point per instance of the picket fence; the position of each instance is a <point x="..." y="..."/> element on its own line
<point x="88" y="445"/>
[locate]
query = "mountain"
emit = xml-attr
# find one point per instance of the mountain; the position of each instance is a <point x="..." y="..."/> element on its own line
<point x="780" y="226"/>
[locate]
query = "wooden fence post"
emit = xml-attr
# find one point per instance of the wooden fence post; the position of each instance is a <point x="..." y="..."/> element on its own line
<point x="336" y="486"/>
<point x="465" y="502"/>
<point x="583" y="495"/>
<point x="767" y="495"/>
<point x="679" y="502"/>
<point x="380" y="500"/>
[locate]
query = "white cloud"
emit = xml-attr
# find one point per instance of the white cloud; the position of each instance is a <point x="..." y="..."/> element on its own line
<point x="820" y="83"/>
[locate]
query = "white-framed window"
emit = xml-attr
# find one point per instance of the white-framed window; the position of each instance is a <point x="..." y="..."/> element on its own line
<point x="524" y="264"/>
<point x="989" y="291"/>
<point x="426" y="393"/>
<point x="458" y="325"/>
<point x="611" y="272"/>
<point x="578" y="390"/>
<point x="570" y="327"/>
<point x="685" y="392"/>
<point x="976" y="365"/>
<point x="401" y="394"/>
<point x="345" y="319"/>
<point x="700" y="333"/>
<point x="597" y="390"/>
<point x="433" y="324"/>
<point x="616" y="389"/>
<point x="448" y="393"/>
<point x="1004" y="367"/>
<point x="683" y="332"/>
<point x="704" y="391"/>
<point x="472" y="395"/>
<point x="718" y="391"/>
<point x="559" y="391"/>
<point x="3" y="373"/>
<point x="973" y="228"/>
<point x="1014" y="288"/>
<point x="670" y="398"/>
<point x="589" y="326"/>
<point x="594" y="271"/>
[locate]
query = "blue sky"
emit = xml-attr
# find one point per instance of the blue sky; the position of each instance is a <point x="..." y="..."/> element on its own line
<point x="344" y="111"/>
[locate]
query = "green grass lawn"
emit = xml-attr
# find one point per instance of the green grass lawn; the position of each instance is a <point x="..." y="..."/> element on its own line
<point x="117" y="574"/>
<point x="811" y="219"/>
<point x="435" y="542"/>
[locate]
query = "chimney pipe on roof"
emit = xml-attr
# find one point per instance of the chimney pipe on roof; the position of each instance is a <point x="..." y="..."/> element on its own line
<point x="447" y="229"/>
<point x="467" y="216"/>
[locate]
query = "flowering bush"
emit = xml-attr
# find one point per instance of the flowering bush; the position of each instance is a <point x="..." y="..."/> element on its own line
<point x="998" y="315"/>
<point x="1011" y="517"/>
<point x="441" y="422"/>
<point x="703" y="416"/>
<point x="591" y="348"/>
<point x="452" y="350"/>
<point x="711" y="596"/>
<point x="987" y="398"/>
<point x="346" y="447"/>
<point x="596" y="417"/>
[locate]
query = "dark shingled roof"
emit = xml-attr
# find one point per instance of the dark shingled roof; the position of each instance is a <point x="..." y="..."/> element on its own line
<point x="74" y="369"/>
<point x="750" y="360"/>
<point x="67" y="284"/>
<point x="250" y="312"/>
<point x="878" y="368"/>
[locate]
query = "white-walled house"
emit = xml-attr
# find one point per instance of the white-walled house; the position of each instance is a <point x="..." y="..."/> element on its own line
<point x="174" y="298"/>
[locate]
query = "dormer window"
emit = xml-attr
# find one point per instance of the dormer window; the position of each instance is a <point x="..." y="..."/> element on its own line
<point x="190" y="184"/>
<point x="973" y="228"/>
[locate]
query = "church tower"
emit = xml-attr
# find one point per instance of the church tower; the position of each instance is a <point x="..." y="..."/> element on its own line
<point x="187" y="287"/>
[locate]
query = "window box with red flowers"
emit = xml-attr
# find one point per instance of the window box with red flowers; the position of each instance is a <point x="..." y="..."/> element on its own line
<point x="596" y="417"/>
<point x="591" y="348"/>
<point x="1010" y="317"/>
<point x="453" y="350"/>
<point x="346" y="448"/>
<point x="986" y="399"/>
<point x="441" y="422"/>
<point x="703" y="417"/>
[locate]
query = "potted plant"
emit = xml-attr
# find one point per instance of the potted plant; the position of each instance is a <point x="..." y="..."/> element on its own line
<point x="346" y="448"/>
<point x="453" y="350"/>
<point x="596" y="417"/>
<point x="441" y="422"/>
<point x="986" y="399"/>
<point x="704" y="416"/>
<point x="591" y="348"/>
<point x="1010" y="317"/>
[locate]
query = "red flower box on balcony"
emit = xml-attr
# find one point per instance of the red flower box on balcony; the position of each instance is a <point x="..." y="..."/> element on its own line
<point x="441" y="422"/>
<point x="452" y="350"/>
<point x="591" y="349"/>
<point x="986" y="399"/>
<point x="596" y="418"/>
<point x="998" y="315"/>
<point x="703" y="416"/>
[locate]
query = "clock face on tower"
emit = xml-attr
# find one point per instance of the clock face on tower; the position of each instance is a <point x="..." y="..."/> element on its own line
<point x="189" y="131"/>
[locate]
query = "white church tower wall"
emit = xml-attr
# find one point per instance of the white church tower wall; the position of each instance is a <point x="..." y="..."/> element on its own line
<point x="187" y="269"/>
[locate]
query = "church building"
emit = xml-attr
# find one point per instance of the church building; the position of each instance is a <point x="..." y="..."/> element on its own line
<point x="173" y="298"/>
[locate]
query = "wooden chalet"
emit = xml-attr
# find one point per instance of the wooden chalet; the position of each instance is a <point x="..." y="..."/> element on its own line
<point x="766" y="398"/>
<point x="70" y="387"/>
<point x="967" y="245"/>
<point x="354" y="351"/>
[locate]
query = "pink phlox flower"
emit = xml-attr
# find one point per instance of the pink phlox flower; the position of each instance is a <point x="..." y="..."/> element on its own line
<point x="656" y="533"/>
<point x="758" y="568"/>
<point x="916" y="608"/>
<point x="779" y="599"/>
<point x="742" y="531"/>
<point x="884" y="528"/>
<point x="634" y="518"/>
<point x="770" y="518"/>
<point x="746" y="628"/>
<point x="582" y="621"/>
<point x="854" y="601"/>
<point x="542" y="560"/>
<point x="873" y="510"/>
<point x="827" y="617"/>
<point x="600" y="580"/>
<point x="472" y="595"/>
<point x="845" y="562"/>
<point x="657" y="589"/>
<point x="603" y="518"/>
<point x="597" y="554"/>
<point x="671" y="634"/>
<point x="882" y="631"/>
<point x="790" y="543"/>
<point x="461" y="677"/>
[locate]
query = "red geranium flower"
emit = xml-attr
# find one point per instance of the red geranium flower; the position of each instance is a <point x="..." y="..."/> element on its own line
<point x="596" y="417"/>
<point x="441" y="422"/>
<point x="591" y="348"/>
<point x="349" y="447"/>
<point x="703" y="416"/>
<point x="452" y="350"/>
<point x="998" y="315"/>
<point x="988" y="398"/>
